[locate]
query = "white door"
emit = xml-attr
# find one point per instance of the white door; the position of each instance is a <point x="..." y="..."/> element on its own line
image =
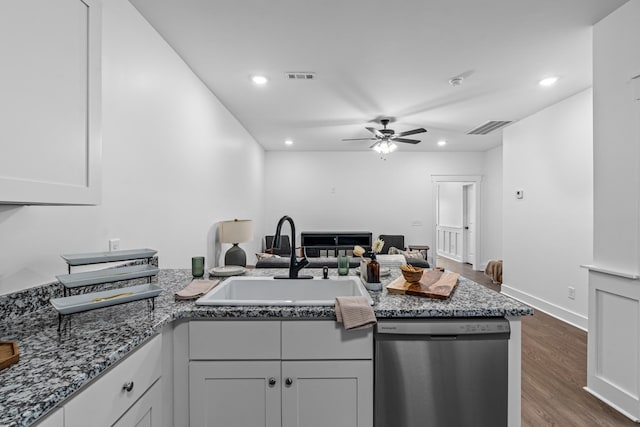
<point x="327" y="393"/>
<point x="469" y="223"/>
<point x="234" y="394"/>
<point x="146" y="412"/>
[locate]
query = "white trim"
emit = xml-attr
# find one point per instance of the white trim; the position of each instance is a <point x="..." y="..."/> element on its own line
<point x="610" y="272"/>
<point x="560" y="313"/>
<point x="613" y="405"/>
<point x="471" y="179"/>
<point x="456" y="178"/>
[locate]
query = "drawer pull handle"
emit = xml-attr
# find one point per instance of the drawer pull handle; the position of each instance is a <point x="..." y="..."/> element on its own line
<point x="288" y="381"/>
<point x="128" y="386"/>
<point x="272" y="381"/>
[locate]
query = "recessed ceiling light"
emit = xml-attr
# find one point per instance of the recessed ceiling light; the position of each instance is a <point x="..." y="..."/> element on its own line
<point x="259" y="80"/>
<point x="548" y="81"/>
<point x="442" y="143"/>
<point x="288" y="142"/>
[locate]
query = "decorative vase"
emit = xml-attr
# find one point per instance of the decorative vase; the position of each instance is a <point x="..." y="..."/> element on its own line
<point x="373" y="270"/>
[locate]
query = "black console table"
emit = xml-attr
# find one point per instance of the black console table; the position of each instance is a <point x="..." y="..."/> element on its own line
<point x="320" y="243"/>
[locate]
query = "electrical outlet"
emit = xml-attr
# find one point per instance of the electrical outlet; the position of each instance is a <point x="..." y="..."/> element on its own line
<point x="114" y="245"/>
<point x="572" y="292"/>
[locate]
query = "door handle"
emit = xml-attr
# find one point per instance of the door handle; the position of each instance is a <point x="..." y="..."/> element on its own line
<point x="288" y="381"/>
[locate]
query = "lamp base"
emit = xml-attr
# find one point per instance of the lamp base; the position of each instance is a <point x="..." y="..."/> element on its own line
<point x="235" y="256"/>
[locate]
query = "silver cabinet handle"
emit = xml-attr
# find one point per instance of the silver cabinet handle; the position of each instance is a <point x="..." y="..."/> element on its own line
<point x="272" y="381"/>
<point x="288" y="381"/>
<point x="128" y="386"/>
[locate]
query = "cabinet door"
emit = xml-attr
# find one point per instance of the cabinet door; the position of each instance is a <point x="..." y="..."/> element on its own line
<point x="147" y="411"/>
<point x="327" y="393"/>
<point x="234" y="394"/>
<point x="56" y="419"/>
<point x="50" y="101"/>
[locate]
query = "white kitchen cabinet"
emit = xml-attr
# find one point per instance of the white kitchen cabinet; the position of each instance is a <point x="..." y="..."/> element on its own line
<point x="279" y="373"/>
<point x="50" y="105"/>
<point x="56" y="419"/>
<point x="333" y="393"/>
<point x="147" y="411"/>
<point x="235" y="394"/>
<point x="109" y="397"/>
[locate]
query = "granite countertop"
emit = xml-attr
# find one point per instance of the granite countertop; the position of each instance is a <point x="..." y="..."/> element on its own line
<point x="53" y="366"/>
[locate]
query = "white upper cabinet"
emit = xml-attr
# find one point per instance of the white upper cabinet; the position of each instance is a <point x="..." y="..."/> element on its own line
<point x="50" y="140"/>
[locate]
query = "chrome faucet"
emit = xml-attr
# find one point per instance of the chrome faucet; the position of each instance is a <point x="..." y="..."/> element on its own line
<point x="295" y="265"/>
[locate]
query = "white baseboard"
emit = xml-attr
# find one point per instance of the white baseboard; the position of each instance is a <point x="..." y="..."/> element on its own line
<point x="560" y="313"/>
<point x="613" y="405"/>
<point x="452" y="257"/>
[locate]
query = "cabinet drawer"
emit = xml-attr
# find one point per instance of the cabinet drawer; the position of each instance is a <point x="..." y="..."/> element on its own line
<point x="105" y="400"/>
<point x="311" y="339"/>
<point x="234" y="340"/>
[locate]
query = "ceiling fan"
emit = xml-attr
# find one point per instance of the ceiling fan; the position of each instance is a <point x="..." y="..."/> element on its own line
<point x="385" y="139"/>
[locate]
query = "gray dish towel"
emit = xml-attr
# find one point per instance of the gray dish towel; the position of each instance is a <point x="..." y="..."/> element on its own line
<point x="355" y="313"/>
<point x="196" y="289"/>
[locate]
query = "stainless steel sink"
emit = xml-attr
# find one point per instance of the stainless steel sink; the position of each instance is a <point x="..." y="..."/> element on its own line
<point x="270" y="291"/>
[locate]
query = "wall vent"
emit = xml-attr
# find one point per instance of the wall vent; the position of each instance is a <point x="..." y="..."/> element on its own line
<point x="301" y="75"/>
<point x="487" y="127"/>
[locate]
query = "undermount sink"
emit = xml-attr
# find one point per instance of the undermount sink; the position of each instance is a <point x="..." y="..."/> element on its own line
<point x="270" y="291"/>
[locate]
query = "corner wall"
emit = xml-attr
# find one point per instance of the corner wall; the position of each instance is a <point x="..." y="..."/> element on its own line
<point x="175" y="162"/>
<point x="548" y="234"/>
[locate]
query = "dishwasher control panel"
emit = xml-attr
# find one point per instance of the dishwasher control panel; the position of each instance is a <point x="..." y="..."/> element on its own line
<point x="453" y="326"/>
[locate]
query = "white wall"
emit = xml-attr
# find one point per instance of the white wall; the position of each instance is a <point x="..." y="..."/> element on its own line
<point x="450" y="204"/>
<point x="491" y="207"/>
<point x="616" y="148"/>
<point x="328" y="191"/>
<point x="175" y="162"/>
<point x="548" y="234"/>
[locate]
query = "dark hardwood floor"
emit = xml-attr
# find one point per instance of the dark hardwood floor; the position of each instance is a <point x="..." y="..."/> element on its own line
<point x="554" y="369"/>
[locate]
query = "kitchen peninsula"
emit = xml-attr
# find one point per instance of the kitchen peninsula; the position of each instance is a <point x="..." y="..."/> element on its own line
<point x="55" y="369"/>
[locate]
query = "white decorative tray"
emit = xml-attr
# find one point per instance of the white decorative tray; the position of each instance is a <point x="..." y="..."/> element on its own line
<point x="227" y="270"/>
<point x="107" y="275"/>
<point x="94" y="300"/>
<point x="101" y="257"/>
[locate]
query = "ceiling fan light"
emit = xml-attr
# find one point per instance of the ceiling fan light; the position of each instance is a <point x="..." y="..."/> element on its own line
<point x="393" y="147"/>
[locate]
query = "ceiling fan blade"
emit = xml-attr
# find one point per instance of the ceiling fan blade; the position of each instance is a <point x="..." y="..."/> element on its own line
<point x="360" y="139"/>
<point x="376" y="132"/>
<point x="374" y="144"/>
<point x="407" y="140"/>
<point x="412" y="132"/>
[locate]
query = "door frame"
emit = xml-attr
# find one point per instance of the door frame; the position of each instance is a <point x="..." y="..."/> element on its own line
<point x="466" y="229"/>
<point x="465" y="179"/>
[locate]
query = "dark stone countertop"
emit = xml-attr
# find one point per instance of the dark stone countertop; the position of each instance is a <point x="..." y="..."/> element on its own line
<point x="53" y="366"/>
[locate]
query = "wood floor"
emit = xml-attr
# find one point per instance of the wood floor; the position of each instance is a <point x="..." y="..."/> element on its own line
<point x="554" y="369"/>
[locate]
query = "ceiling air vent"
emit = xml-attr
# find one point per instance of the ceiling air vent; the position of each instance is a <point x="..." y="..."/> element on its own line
<point x="487" y="127"/>
<point x="301" y="75"/>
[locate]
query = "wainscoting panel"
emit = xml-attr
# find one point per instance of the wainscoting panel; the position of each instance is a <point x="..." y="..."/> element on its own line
<point x="613" y="373"/>
<point x="450" y="242"/>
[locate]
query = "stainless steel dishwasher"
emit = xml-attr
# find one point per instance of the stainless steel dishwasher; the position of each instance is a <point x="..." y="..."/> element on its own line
<point x="441" y="373"/>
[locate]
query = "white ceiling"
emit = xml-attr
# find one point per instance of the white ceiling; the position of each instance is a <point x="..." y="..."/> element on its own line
<point x="378" y="58"/>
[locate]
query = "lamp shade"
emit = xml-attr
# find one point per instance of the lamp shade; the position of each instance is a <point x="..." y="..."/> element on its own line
<point x="236" y="231"/>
